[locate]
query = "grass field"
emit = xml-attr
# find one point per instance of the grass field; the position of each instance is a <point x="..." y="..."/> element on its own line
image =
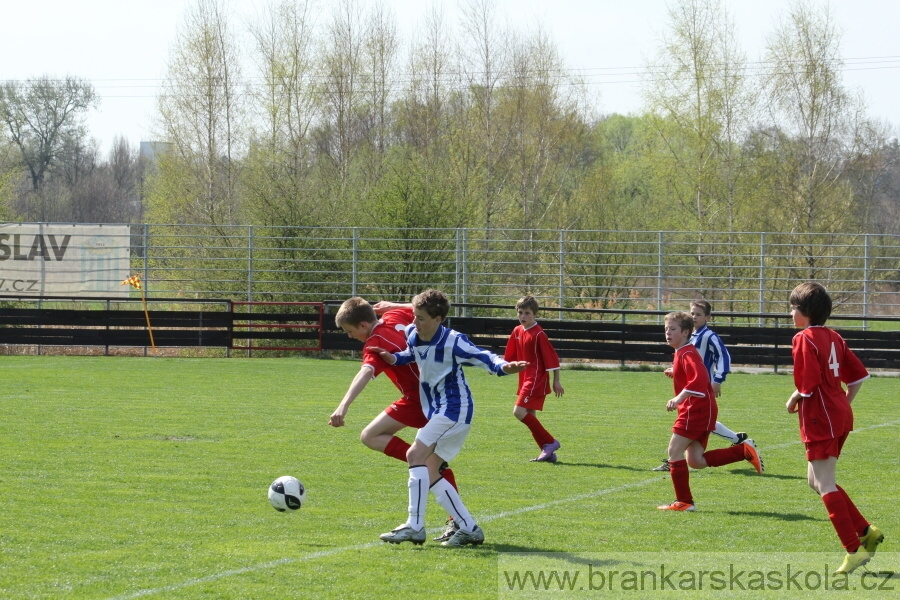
<point x="147" y="477"/>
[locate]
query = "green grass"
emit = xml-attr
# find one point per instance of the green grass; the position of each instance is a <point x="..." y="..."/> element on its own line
<point x="147" y="477"/>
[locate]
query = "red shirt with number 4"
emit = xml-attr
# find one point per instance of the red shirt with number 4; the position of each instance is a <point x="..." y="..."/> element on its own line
<point x="822" y="362"/>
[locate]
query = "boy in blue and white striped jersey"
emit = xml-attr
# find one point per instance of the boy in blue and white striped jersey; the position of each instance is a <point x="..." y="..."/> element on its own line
<point x="717" y="361"/>
<point x="447" y="402"/>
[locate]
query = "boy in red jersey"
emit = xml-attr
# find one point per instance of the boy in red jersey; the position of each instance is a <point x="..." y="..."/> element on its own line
<point x="695" y="401"/>
<point x="359" y="320"/>
<point x="529" y="343"/>
<point x="822" y="362"/>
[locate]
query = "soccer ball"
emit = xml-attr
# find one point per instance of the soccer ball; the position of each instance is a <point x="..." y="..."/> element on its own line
<point x="287" y="494"/>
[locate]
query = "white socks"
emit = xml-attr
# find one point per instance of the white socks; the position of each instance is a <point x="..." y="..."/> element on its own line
<point x="418" y="496"/>
<point x="444" y="493"/>
<point x="450" y="501"/>
<point x="726" y="433"/>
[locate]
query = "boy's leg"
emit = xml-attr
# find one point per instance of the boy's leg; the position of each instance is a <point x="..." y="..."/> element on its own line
<point x="418" y="496"/>
<point x="821" y="476"/>
<point x="413" y="530"/>
<point x="529" y="418"/>
<point x="450" y="501"/>
<point x="397" y="448"/>
<point x="859" y="522"/>
<point x="379" y="436"/>
<point x="746" y="450"/>
<point x="731" y="436"/>
<point x="680" y="474"/>
<point x="545" y="441"/>
<point x="468" y="531"/>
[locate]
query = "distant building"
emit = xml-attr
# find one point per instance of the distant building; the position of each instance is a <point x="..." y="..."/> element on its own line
<point x="151" y="150"/>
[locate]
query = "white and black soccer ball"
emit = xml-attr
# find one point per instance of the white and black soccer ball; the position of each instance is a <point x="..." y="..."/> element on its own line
<point x="287" y="494"/>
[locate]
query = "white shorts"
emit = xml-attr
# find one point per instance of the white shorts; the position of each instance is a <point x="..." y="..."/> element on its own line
<point x="447" y="434"/>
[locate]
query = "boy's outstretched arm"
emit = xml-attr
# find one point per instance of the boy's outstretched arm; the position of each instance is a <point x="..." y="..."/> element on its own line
<point x="358" y="384"/>
<point x="514" y="367"/>
<point x="386" y="356"/>
<point x="383" y="306"/>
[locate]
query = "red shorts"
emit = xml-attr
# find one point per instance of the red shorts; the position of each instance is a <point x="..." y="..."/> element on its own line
<point x="697" y="436"/>
<point x="407" y="411"/>
<point x="822" y="449"/>
<point x="531" y="402"/>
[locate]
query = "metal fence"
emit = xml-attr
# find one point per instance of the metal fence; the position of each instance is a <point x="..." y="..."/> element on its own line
<point x="657" y="270"/>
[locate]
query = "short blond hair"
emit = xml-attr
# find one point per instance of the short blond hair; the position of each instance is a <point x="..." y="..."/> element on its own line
<point x="685" y="320"/>
<point x="354" y="311"/>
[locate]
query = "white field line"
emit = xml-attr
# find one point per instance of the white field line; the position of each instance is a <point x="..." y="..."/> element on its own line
<point x="487" y="519"/>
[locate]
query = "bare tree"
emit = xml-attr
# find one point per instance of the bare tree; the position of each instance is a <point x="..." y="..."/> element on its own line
<point x="277" y="183"/>
<point x="201" y="111"/>
<point x="810" y="104"/>
<point x="541" y="106"/>
<point x="342" y="86"/>
<point x="698" y="86"/>
<point x="485" y="61"/>
<point x="42" y="117"/>
<point x="381" y="47"/>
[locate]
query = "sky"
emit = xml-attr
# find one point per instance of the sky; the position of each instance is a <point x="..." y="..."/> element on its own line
<point x="122" y="46"/>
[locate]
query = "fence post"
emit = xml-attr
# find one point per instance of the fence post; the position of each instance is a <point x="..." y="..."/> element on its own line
<point x="659" y="275"/>
<point x="866" y="283"/>
<point x="250" y="263"/>
<point x="465" y="269"/>
<point x="775" y="358"/>
<point x="562" y="271"/>
<point x="355" y="266"/>
<point x="145" y="274"/>
<point x="762" y="276"/>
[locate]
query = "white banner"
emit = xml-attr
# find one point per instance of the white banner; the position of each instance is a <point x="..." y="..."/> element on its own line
<point x="64" y="260"/>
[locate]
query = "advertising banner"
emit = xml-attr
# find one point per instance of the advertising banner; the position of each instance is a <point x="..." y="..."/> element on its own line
<point x="64" y="260"/>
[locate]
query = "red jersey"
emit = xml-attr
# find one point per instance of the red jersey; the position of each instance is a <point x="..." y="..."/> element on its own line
<point x="390" y="333"/>
<point x="534" y="346"/>
<point x="822" y="361"/>
<point x="699" y="411"/>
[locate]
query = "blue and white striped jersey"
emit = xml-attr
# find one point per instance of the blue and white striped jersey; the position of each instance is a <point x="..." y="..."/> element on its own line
<point x="715" y="355"/>
<point x="442" y="384"/>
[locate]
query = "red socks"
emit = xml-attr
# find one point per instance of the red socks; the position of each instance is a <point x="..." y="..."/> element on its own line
<point x="859" y="522"/>
<point x="678" y="469"/>
<point x="396" y="448"/>
<point x="841" y="519"/>
<point x="724" y="456"/>
<point x="540" y="435"/>
<point x="450" y="477"/>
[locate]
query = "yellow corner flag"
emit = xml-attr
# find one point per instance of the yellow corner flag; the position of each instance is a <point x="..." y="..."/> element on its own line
<point x="134" y="281"/>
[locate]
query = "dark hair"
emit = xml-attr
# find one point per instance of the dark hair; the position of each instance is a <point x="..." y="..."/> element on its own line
<point x="685" y="320"/>
<point x="355" y="311"/>
<point x="434" y="302"/>
<point x="813" y="301"/>
<point x="705" y="306"/>
<point x="529" y="303"/>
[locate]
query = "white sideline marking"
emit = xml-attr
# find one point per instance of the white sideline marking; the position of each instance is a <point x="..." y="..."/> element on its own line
<point x="511" y="513"/>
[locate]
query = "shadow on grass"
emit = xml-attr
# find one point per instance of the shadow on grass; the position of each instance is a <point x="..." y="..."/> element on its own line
<point x="568" y="556"/>
<point x="602" y="466"/>
<point x="771" y="515"/>
<point x="753" y="473"/>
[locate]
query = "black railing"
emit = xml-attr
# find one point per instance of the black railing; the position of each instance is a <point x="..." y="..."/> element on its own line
<point x="607" y="335"/>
